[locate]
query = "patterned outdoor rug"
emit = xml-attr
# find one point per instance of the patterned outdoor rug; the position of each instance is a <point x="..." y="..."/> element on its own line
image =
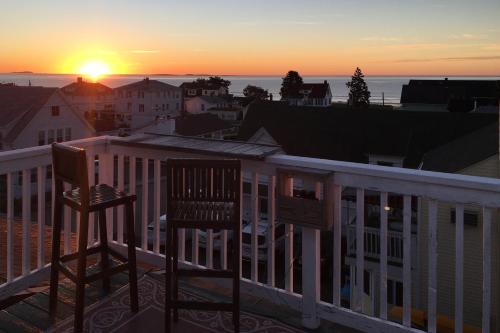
<point x="113" y="315"/>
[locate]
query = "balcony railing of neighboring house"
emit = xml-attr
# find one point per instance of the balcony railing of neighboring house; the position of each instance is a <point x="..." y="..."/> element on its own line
<point x="120" y="161"/>
<point x="372" y="246"/>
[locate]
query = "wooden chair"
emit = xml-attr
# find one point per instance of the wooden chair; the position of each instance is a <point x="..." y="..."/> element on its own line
<point x="202" y="194"/>
<point x="70" y="166"/>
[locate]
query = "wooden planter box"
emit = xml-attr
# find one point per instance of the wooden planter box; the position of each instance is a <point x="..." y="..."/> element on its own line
<point x="306" y="212"/>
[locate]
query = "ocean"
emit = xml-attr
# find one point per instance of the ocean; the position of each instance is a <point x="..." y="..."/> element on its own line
<point x="389" y="86"/>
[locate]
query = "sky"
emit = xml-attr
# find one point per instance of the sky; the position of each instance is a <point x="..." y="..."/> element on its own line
<point x="257" y="37"/>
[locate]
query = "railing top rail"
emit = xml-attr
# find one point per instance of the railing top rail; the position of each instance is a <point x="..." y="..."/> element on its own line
<point x="435" y="185"/>
<point x="26" y="158"/>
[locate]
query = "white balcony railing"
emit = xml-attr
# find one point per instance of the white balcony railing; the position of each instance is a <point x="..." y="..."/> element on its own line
<point x="120" y="162"/>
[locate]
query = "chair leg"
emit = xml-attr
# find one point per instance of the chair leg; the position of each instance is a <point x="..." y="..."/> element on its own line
<point x="103" y="232"/>
<point x="132" y="270"/>
<point x="80" y="273"/>
<point x="168" y="285"/>
<point x="56" y="247"/>
<point x="175" y="292"/>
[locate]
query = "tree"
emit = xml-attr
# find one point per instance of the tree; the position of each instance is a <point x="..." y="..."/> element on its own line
<point x="256" y="92"/>
<point x="291" y="81"/>
<point x="359" y="95"/>
<point x="215" y="80"/>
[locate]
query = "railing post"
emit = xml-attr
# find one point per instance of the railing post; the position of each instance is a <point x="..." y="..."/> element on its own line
<point x="106" y="171"/>
<point x="26" y="211"/>
<point x="310" y="277"/>
<point x="311" y="274"/>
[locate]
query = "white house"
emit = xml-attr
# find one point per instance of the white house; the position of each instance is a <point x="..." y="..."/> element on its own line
<point x="201" y="104"/>
<point x="207" y="88"/>
<point x="310" y="94"/>
<point x="31" y="116"/>
<point x="141" y="103"/>
<point x="88" y="97"/>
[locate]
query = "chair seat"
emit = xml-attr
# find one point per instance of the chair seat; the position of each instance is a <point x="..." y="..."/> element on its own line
<point x="209" y="212"/>
<point x="101" y="196"/>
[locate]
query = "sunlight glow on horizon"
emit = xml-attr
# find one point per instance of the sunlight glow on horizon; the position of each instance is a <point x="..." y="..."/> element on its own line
<point x="95" y="70"/>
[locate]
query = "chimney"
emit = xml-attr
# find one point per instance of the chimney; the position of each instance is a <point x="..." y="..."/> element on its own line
<point x="79" y="79"/>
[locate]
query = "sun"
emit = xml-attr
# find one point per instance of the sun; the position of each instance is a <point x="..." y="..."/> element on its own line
<point x="95" y="69"/>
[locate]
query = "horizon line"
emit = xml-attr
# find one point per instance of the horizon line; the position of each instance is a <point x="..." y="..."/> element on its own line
<point x="250" y="75"/>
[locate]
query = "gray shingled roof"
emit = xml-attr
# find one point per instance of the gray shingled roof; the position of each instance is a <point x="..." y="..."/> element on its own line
<point x="341" y="133"/>
<point x="148" y="85"/>
<point x="463" y="152"/>
<point x="19" y="101"/>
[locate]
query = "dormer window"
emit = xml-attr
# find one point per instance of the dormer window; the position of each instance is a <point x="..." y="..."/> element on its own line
<point x="55" y="111"/>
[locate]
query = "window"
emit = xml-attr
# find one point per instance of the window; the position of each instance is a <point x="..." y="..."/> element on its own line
<point x="168" y="106"/>
<point x="59" y="135"/>
<point x="41" y="138"/>
<point x="50" y="138"/>
<point x="163" y="107"/>
<point x="141" y="107"/>
<point x="67" y="134"/>
<point x="202" y="107"/>
<point x="129" y="106"/>
<point x="128" y="94"/>
<point x="394" y="292"/>
<point x="470" y="217"/>
<point x="55" y="111"/>
<point x="177" y="106"/>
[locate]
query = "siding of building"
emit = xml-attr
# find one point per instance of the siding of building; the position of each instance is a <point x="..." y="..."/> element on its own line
<point x="44" y="121"/>
<point x="472" y="256"/>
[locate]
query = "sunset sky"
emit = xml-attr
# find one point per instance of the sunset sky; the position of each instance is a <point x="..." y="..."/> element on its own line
<point x="315" y="37"/>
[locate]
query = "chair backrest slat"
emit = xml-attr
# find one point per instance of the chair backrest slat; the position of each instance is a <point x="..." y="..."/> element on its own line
<point x="70" y="166"/>
<point x="202" y="180"/>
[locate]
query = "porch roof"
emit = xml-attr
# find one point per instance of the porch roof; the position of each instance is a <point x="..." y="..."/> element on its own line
<point x="232" y="149"/>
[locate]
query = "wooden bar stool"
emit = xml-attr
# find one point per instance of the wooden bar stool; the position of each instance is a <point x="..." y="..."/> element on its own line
<point x="202" y="194"/>
<point x="70" y="166"/>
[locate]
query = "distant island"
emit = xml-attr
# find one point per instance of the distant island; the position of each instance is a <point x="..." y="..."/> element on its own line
<point x="23" y="72"/>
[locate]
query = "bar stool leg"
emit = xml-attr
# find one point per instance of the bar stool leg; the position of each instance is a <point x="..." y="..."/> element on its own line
<point x="132" y="270"/>
<point x="168" y="284"/>
<point x="81" y="268"/>
<point x="56" y="248"/>
<point x="103" y="232"/>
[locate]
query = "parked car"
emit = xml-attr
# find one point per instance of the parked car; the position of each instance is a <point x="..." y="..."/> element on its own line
<point x="262" y="231"/>
<point x="202" y="234"/>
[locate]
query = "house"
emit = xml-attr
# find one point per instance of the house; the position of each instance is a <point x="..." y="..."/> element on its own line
<point x="140" y="103"/>
<point x="450" y="95"/>
<point x="310" y="94"/>
<point x="34" y="116"/>
<point x="465" y="143"/>
<point x="228" y="113"/>
<point x="203" y="88"/>
<point x="95" y="102"/>
<point x="89" y="97"/>
<point x="204" y="125"/>
<point x="201" y="104"/>
<point x="475" y="154"/>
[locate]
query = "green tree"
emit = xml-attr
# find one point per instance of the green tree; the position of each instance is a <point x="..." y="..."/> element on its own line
<point x="359" y="95"/>
<point x="256" y="92"/>
<point x="215" y="80"/>
<point x="291" y="81"/>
